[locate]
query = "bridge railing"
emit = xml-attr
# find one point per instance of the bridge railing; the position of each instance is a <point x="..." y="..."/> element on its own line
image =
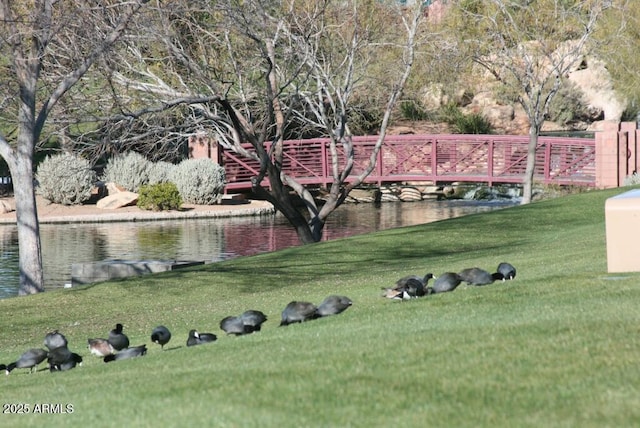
<point x="488" y="159"/>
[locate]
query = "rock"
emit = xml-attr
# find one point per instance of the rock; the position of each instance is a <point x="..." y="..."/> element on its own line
<point x="596" y="83"/>
<point x="117" y="200"/>
<point x="7" y="206"/>
<point x="113" y="188"/>
<point x="410" y="194"/>
<point x="364" y="195"/>
<point x="448" y="191"/>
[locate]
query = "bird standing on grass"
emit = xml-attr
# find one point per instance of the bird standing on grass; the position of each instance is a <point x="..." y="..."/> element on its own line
<point x="73" y="360"/>
<point x="118" y="339"/>
<point x="62" y="359"/>
<point x="333" y="305"/>
<point x="233" y="325"/>
<point x="28" y="360"/>
<point x="507" y="270"/>
<point x="477" y="276"/>
<point x="253" y="320"/>
<point x="296" y="312"/>
<point x="161" y="335"/>
<point x="248" y="322"/>
<point x="448" y="281"/>
<point x="409" y="287"/>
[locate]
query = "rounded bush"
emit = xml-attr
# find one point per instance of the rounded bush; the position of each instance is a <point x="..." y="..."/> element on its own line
<point x="65" y="179"/>
<point x="160" y="172"/>
<point x="130" y="171"/>
<point x="200" y="181"/>
<point x="159" y="197"/>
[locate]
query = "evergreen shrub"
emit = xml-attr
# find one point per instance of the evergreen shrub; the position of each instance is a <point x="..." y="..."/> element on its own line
<point x="199" y="181"/>
<point x="473" y="123"/>
<point x="412" y="110"/>
<point x="160" y="172"/>
<point x="568" y="105"/>
<point x="65" y="179"/>
<point x="130" y="171"/>
<point x="159" y="197"/>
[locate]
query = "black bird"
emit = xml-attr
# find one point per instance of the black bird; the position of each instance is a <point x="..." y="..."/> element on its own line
<point x="118" y="339"/>
<point x="62" y="359"/>
<point x="161" y="335"/>
<point x="73" y="360"/>
<point x="298" y="312"/>
<point x="333" y="305"/>
<point x="253" y="320"/>
<point x="448" y="281"/>
<point x="248" y="322"/>
<point x="477" y="276"/>
<point x="3" y="367"/>
<point x="28" y="360"/>
<point x="100" y="347"/>
<point x="58" y="356"/>
<point x="409" y="287"/>
<point x="134" y="351"/>
<point x="234" y="325"/>
<point x="196" y="338"/>
<point x="507" y="270"/>
<point x="54" y="340"/>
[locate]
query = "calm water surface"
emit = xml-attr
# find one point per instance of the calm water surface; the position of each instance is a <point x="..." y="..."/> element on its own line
<point x="206" y="239"/>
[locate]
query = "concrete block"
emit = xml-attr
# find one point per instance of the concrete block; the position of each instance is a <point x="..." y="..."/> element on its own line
<point x="87" y="273"/>
<point x="622" y="222"/>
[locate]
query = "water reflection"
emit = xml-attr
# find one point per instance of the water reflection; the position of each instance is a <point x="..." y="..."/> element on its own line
<point x="205" y="239"/>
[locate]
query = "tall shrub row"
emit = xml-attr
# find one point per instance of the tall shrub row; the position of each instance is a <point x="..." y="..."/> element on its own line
<point x="67" y="179"/>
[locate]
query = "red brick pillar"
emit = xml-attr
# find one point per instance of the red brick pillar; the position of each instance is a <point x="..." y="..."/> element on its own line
<point x="623" y="156"/>
<point x="607" y="157"/>
<point x="203" y="146"/>
<point x="632" y="145"/>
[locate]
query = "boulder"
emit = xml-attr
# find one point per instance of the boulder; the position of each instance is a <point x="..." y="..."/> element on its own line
<point x="113" y="188"/>
<point x="596" y="83"/>
<point x="410" y="194"/>
<point x="117" y="200"/>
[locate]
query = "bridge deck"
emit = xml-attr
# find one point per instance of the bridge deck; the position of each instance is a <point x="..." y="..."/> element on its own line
<point x="489" y="159"/>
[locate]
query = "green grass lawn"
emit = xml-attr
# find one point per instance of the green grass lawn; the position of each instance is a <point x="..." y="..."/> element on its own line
<point x="556" y="347"/>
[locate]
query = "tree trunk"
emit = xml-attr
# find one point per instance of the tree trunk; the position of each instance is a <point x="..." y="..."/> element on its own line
<point x="30" y="250"/>
<point x="285" y="204"/>
<point x="527" y="190"/>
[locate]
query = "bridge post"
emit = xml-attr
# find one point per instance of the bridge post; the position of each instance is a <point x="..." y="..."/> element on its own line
<point x="613" y="155"/>
<point x="633" y="137"/>
<point x="203" y="146"/>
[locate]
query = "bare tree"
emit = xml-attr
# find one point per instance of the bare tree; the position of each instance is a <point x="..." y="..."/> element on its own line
<point x="529" y="47"/>
<point x="49" y="46"/>
<point x="251" y="69"/>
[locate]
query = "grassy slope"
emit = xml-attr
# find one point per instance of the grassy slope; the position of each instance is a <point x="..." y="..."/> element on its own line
<point x="556" y="347"/>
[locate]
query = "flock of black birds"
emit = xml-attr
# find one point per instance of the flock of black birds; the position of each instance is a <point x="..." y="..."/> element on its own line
<point x="116" y="346"/>
<point x="413" y="286"/>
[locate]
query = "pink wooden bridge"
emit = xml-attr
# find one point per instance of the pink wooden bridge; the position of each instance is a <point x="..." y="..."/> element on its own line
<point x="439" y="159"/>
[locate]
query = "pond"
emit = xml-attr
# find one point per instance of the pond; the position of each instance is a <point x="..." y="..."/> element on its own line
<point x="207" y="240"/>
